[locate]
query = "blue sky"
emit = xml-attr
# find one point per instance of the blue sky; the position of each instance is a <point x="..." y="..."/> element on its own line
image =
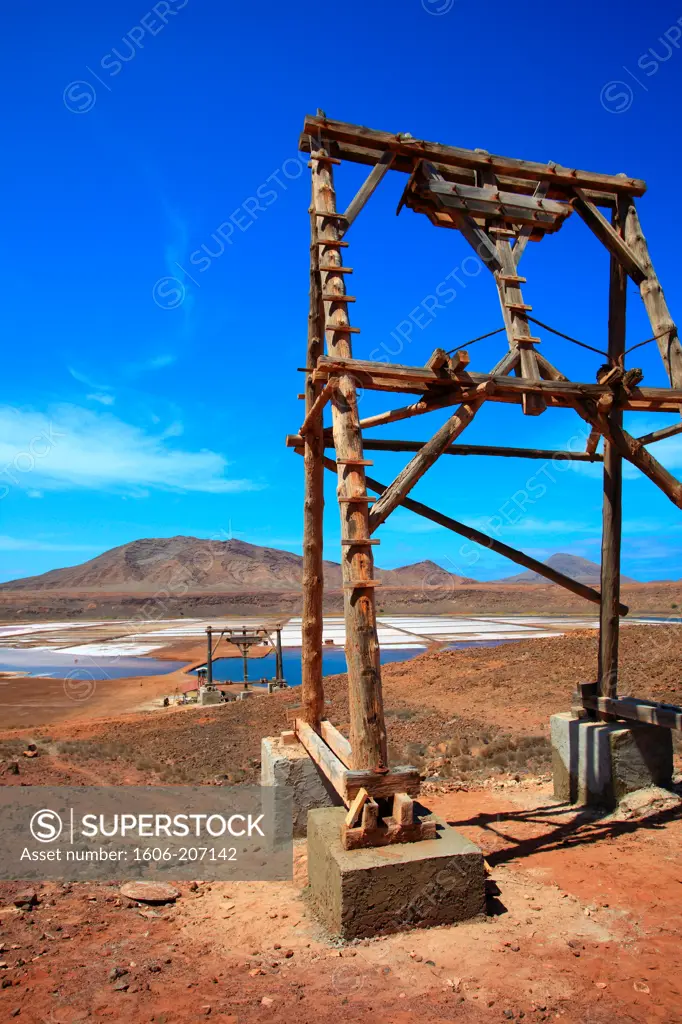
<point x="133" y="405"/>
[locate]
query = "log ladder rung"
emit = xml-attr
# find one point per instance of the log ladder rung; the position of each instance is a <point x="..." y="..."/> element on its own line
<point x="344" y="328"/>
<point x="324" y="160"/>
<point x="357" y="497"/>
<point x="336" y="270"/>
<point x="330" y="216"/>
<point x="511" y="279"/>
<point x="526" y="341"/>
<point x="356" y="542"/>
<point x="354" y="462"/>
<point x="333" y="243"/>
<point x="522" y="307"/>
<point x="338" y="298"/>
<point x="361" y="584"/>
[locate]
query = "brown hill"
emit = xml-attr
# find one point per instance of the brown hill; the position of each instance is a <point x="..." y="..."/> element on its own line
<point x="580" y="569"/>
<point x="188" y="564"/>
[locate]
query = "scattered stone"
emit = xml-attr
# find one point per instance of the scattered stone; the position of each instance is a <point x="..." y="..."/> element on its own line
<point x="117" y="972"/>
<point x="515" y="948"/>
<point x="266" y="1001"/>
<point x="277" y="945"/>
<point x="15" y="1012"/>
<point x="192" y="886"/>
<point x="13" y="767"/>
<point x="641" y="986"/>
<point x="121" y="986"/>
<point x="256" y="972"/>
<point x="600" y="984"/>
<point x="643" y="803"/>
<point x="26" y="899"/>
<point x="150" y="892"/>
<point x="6" y="982"/>
<point x="430" y="963"/>
<point x="289" y="953"/>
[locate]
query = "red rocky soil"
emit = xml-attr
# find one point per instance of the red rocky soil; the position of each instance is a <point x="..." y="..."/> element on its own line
<point x="584" y="912"/>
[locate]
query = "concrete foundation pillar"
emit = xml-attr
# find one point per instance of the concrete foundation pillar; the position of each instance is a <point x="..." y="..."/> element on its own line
<point x="596" y="762"/>
<point x="209" y="695"/>
<point x="359" y="893"/>
<point x="288" y="764"/>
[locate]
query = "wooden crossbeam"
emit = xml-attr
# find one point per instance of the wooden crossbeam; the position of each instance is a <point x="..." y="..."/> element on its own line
<point x="386" y="445"/>
<point x="337" y="741"/>
<point x="411" y="149"/>
<point x="367" y="188"/>
<point x="478" y="537"/>
<point x="616" y="245"/>
<point x="539" y="214"/>
<point x="348" y="782"/>
<point x="668" y="716"/>
<point x="402" y="377"/>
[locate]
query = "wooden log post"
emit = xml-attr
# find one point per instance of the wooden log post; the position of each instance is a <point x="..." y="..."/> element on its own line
<point x="609" y="621"/>
<point x="312" y="694"/>
<point x="279" y="664"/>
<point x="209" y="655"/>
<point x="651" y="291"/>
<point x="367" y="726"/>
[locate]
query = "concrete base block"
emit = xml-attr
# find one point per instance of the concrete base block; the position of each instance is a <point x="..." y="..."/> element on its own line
<point x="209" y="695"/>
<point x="597" y="762"/>
<point x="359" y="893"/>
<point x="290" y="765"/>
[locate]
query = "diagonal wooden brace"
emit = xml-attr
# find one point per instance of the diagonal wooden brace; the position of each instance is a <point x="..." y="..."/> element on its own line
<point x="422" y="461"/>
<point x="632" y="450"/>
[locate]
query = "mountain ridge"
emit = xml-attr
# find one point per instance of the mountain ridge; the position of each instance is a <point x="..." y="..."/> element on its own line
<point x="184" y="564"/>
<point x="580" y="569"/>
<point x="191" y="564"/>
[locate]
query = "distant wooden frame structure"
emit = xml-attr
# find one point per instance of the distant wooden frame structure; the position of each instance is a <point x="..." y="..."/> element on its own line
<point x="498" y="204"/>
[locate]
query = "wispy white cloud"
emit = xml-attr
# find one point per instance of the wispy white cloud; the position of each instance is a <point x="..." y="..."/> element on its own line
<point x="82" y="378"/>
<point x="73" y="448"/>
<point x="103" y="399"/>
<point x="31" y="544"/>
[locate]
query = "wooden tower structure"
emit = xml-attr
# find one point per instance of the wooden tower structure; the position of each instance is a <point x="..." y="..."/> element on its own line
<point x="498" y="204"/>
